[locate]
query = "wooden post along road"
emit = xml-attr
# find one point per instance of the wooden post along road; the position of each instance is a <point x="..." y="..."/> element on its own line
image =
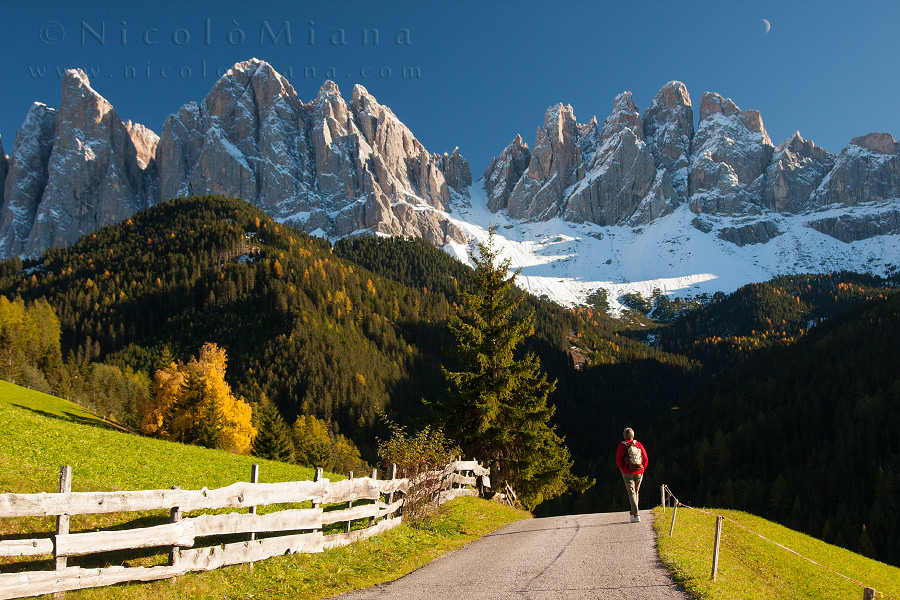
<point x="593" y="556"/>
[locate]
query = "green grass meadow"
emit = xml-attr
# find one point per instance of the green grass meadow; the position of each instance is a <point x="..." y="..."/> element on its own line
<point x="754" y="569"/>
<point x="38" y="433"/>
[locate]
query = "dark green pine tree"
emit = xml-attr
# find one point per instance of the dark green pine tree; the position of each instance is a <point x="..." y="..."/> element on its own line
<point x="273" y="440"/>
<point x="213" y="425"/>
<point x="498" y="410"/>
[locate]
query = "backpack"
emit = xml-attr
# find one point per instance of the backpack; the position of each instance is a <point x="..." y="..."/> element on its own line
<point x="633" y="456"/>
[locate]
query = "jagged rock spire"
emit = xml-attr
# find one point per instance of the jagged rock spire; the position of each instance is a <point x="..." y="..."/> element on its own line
<point x="504" y="172"/>
<point x="730" y="153"/>
<point x="668" y="130"/>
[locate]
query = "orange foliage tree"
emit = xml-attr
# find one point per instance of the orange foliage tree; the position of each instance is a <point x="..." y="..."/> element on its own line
<point x="192" y="403"/>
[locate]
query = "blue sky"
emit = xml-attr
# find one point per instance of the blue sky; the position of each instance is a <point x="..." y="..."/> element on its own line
<point x="482" y="71"/>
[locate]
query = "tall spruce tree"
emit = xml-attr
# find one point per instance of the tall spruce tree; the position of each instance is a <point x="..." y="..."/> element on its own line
<point x="274" y="438"/>
<point x="498" y="410"/>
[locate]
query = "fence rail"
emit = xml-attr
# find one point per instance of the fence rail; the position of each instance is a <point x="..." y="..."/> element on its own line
<point x="288" y="531"/>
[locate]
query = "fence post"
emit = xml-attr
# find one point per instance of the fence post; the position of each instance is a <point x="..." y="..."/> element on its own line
<point x="374" y="478"/>
<point x="715" y="566"/>
<point x="174" y="517"/>
<point x="674" y="513"/>
<point x="254" y="478"/>
<point x="62" y="521"/>
<point x="393" y="477"/>
<point x="320" y="472"/>
<point x="868" y="594"/>
<point x="662" y="493"/>
<point x="350" y="505"/>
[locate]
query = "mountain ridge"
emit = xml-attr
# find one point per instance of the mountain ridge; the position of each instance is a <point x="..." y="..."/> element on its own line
<point x="340" y="168"/>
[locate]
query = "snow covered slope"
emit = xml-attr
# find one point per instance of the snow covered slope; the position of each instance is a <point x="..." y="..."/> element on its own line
<point x="568" y="261"/>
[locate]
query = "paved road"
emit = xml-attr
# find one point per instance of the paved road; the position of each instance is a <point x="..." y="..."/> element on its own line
<point x="602" y="556"/>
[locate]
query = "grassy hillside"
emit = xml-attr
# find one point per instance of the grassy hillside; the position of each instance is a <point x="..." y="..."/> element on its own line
<point x="752" y="568"/>
<point x="40" y="432"/>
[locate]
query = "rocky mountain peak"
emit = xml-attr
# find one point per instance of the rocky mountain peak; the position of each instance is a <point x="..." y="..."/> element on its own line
<point x="26" y="178"/>
<point x="866" y="172"/>
<point x="554" y="146"/>
<point x="328" y="92"/>
<point x="712" y="103"/>
<point x="504" y="172"/>
<point x="556" y="163"/>
<point x="620" y="183"/>
<point x="624" y="114"/>
<point x="78" y="95"/>
<point x="797" y="168"/>
<point x="325" y="166"/>
<point x="456" y="170"/>
<point x="145" y="142"/>
<point x="730" y="152"/>
<point x="668" y="130"/>
<point x="796" y="144"/>
<point x="883" y="143"/>
<point x="90" y="177"/>
<point x="673" y="94"/>
<point x="250" y="93"/>
<point x="360" y="94"/>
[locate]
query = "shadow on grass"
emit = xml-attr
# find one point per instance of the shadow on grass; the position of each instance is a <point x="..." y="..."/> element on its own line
<point x="72" y="417"/>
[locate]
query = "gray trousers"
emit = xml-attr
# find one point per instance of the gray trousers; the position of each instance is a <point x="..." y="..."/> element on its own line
<point x="633" y="487"/>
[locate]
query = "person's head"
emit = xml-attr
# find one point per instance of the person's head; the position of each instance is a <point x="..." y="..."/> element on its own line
<point x="628" y="434"/>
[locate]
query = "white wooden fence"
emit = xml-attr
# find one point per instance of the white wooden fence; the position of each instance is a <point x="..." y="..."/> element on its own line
<point x="287" y="531"/>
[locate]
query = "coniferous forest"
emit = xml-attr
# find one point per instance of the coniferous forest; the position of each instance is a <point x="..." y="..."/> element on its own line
<point x="782" y="398"/>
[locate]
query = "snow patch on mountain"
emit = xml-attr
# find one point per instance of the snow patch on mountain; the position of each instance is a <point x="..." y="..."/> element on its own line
<point x="567" y="261"/>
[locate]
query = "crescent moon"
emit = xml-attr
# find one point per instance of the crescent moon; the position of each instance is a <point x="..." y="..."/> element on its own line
<point x="767" y="24"/>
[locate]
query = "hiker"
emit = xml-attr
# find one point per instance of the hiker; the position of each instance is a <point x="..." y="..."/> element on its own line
<point x="631" y="457"/>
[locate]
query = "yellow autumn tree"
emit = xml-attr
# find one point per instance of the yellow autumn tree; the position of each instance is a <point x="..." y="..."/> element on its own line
<point x="192" y="403"/>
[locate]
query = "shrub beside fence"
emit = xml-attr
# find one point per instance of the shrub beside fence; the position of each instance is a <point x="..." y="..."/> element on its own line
<point x="368" y="501"/>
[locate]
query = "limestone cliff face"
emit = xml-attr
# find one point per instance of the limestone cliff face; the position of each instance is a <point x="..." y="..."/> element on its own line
<point x="796" y="170"/>
<point x="621" y="183"/>
<point x="27" y="178"/>
<point x="730" y="153"/>
<point x="868" y="170"/>
<point x="93" y="175"/>
<point x="73" y="171"/>
<point x="245" y="139"/>
<point x="556" y="163"/>
<point x="635" y="169"/>
<point x="328" y="165"/>
<point x="584" y="172"/>
<point x="504" y="172"/>
<point x="668" y="130"/>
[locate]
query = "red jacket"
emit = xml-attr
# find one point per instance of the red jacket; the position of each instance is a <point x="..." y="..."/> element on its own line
<point x="624" y="466"/>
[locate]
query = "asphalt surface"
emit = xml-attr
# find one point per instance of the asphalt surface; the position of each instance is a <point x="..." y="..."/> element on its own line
<point x="600" y="555"/>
